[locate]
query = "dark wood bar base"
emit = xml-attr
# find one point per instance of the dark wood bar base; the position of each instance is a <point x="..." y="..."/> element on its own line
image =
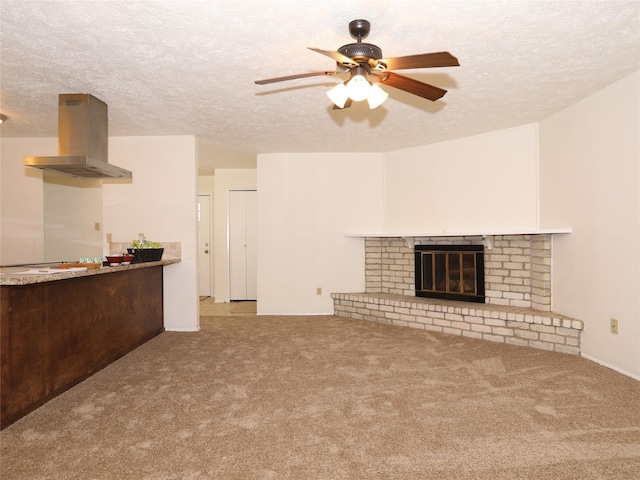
<point x="56" y="334"/>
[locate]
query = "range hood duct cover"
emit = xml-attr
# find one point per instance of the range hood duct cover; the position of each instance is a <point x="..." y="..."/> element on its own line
<point x="83" y="138"/>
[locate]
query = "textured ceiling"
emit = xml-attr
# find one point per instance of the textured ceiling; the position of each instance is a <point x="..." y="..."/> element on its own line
<point x="188" y="68"/>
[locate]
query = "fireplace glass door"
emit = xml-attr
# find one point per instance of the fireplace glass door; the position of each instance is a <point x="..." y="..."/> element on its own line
<point x="454" y="272"/>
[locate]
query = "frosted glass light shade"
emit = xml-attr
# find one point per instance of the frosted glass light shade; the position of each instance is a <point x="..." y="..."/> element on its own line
<point x="376" y="96"/>
<point x="358" y="88"/>
<point x="338" y="95"/>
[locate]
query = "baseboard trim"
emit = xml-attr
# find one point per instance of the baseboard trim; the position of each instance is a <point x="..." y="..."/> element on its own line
<point x="605" y="364"/>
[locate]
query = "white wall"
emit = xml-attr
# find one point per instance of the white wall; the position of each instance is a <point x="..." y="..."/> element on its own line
<point x="306" y="204"/>
<point x="72" y="208"/>
<point x="45" y="216"/>
<point x="476" y="183"/>
<point x="590" y="181"/>
<point x="160" y="202"/>
<point x="206" y="184"/>
<point x="224" y="181"/>
<point x="22" y="213"/>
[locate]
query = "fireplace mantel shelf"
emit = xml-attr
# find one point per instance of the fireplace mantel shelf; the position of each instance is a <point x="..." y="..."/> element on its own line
<point x="487" y="234"/>
<point x="470" y="233"/>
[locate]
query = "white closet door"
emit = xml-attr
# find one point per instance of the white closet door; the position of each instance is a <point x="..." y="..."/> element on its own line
<point x="242" y="245"/>
<point x="252" y="242"/>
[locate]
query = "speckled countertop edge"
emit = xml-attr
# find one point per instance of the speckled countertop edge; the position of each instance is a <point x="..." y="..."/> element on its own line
<point x="15" y="276"/>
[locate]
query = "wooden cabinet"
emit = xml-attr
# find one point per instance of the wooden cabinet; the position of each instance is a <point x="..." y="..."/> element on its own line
<point x="57" y="333"/>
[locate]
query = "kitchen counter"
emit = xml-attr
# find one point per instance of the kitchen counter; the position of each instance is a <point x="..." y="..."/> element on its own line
<point x="17" y="275"/>
<point x="59" y="328"/>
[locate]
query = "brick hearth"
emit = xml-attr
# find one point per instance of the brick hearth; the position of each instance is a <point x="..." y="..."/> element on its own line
<point x="517" y="288"/>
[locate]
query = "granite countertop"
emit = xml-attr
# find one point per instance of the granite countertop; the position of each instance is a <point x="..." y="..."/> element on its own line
<point x="18" y="275"/>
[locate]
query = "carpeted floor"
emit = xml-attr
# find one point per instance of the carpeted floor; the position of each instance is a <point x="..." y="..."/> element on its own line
<point x="324" y="397"/>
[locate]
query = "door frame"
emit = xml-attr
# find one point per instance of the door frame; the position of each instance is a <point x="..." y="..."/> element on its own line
<point x="210" y="263"/>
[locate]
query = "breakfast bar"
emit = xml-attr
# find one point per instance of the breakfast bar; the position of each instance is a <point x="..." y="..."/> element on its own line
<point x="60" y="327"/>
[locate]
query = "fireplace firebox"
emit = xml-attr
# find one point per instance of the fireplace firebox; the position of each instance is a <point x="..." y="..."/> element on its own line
<point x="453" y="272"/>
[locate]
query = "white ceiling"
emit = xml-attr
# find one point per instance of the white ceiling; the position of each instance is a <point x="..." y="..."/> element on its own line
<point x="188" y="68"/>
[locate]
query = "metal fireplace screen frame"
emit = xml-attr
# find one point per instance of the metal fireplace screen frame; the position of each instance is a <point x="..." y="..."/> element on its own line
<point x="452" y="272"/>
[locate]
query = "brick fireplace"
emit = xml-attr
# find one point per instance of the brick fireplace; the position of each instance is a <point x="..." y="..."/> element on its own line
<point x="517" y="311"/>
<point x="517" y="267"/>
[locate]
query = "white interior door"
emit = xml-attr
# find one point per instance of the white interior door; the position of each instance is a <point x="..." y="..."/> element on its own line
<point x="204" y="246"/>
<point x="252" y="243"/>
<point x="242" y="245"/>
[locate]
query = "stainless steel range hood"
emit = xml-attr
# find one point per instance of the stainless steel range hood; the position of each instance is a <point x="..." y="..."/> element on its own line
<point x="83" y="136"/>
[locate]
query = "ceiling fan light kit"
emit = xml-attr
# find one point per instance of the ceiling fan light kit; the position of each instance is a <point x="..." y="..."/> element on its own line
<point x="362" y="90"/>
<point x="376" y="96"/>
<point x="339" y="95"/>
<point x="364" y="61"/>
<point x="358" y="88"/>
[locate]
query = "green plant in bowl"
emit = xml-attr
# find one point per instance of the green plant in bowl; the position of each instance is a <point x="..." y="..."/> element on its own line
<point x="146" y="251"/>
<point x="146" y="244"/>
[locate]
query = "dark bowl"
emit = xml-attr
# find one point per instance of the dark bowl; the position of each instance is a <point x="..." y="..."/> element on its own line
<point x="114" y="260"/>
<point x="127" y="259"/>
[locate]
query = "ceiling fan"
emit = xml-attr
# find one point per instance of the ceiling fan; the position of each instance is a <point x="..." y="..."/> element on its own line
<point x="364" y="61"/>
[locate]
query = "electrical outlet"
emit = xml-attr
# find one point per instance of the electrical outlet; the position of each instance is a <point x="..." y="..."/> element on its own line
<point x="614" y="325"/>
<point x="97" y="226"/>
<point x="319" y="291"/>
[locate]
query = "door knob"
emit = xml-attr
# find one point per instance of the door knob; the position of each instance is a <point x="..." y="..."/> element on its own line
<point x="206" y="251"/>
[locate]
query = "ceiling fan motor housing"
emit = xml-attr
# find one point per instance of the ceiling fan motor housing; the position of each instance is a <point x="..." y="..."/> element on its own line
<point x="361" y="52"/>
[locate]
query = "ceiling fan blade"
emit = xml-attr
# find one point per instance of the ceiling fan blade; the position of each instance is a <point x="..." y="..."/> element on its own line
<point x="410" y="85"/>
<point x="347" y="104"/>
<point x="424" y="60"/>
<point x="337" y="56"/>
<point x="293" y="77"/>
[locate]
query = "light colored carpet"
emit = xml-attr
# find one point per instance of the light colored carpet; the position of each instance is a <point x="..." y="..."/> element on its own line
<point x="331" y="398"/>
